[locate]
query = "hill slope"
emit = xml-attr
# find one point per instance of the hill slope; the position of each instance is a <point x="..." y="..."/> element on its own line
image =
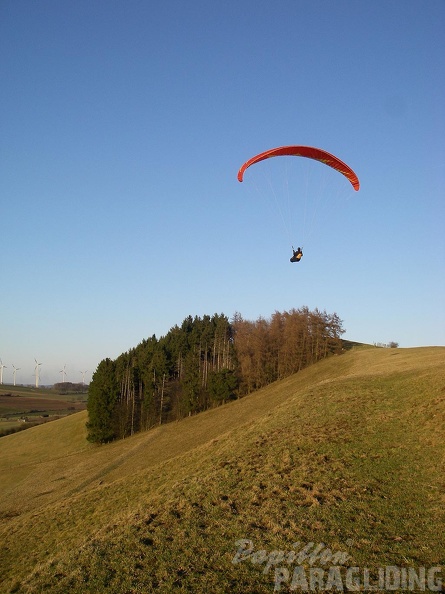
<point x="348" y="453"/>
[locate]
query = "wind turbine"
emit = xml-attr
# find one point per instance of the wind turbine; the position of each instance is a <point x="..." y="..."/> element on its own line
<point x="63" y="372"/>
<point x="83" y="376"/>
<point x="2" y="367"/>
<point x="37" y="372"/>
<point x="14" y="372"/>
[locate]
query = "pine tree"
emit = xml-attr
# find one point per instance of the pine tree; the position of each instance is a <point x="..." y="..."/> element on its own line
<point x="223" y="385"/>
<point x="103" y="398"/>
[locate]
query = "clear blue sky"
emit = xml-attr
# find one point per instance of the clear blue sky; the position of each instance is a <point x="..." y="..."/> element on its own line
<point x="122" y="128"/>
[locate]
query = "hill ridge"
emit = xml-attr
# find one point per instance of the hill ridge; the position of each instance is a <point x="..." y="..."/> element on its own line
<point x="289" y="431"/>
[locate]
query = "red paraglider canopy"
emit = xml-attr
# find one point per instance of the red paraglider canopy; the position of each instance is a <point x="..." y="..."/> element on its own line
<point x="304" y="151"/>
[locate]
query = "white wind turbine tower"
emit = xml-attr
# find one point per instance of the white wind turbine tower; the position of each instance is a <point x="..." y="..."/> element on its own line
<point x="2" y="367"/>
<point x="63" y="372"/>
<point x="83" y="376"/>
<point x="14" y="373"/>
<point x="37" y="372"/>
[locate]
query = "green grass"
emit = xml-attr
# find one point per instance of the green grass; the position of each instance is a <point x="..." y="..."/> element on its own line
<point x="349" y="453"/>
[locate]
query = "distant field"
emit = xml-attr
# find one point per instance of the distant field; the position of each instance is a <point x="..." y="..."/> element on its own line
<point x="22" y="407"/>
<point x="346" y="457"/>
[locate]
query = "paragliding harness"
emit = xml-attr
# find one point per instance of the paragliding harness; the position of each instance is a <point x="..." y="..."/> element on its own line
<point x="297" y="255"/>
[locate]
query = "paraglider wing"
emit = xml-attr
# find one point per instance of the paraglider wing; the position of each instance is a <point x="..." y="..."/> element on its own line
<point x="304" y="151"/>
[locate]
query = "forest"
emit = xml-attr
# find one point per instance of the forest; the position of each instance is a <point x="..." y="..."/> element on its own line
<point x="203" y="363"/>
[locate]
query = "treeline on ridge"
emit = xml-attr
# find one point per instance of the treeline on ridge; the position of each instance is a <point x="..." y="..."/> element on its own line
<point x="203" y="363"/>
<point x="69" y="388"/>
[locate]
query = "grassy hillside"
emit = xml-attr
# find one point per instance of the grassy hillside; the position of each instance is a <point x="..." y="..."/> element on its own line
<point x="349" y="453"/>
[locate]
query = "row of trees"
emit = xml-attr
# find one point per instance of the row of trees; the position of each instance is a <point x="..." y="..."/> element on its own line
<point x="203" y="363"/>
<point x="69" y="388"/>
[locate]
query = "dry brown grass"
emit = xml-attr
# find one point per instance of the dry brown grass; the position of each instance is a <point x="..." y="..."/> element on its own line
<point x="348" y="450"/>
